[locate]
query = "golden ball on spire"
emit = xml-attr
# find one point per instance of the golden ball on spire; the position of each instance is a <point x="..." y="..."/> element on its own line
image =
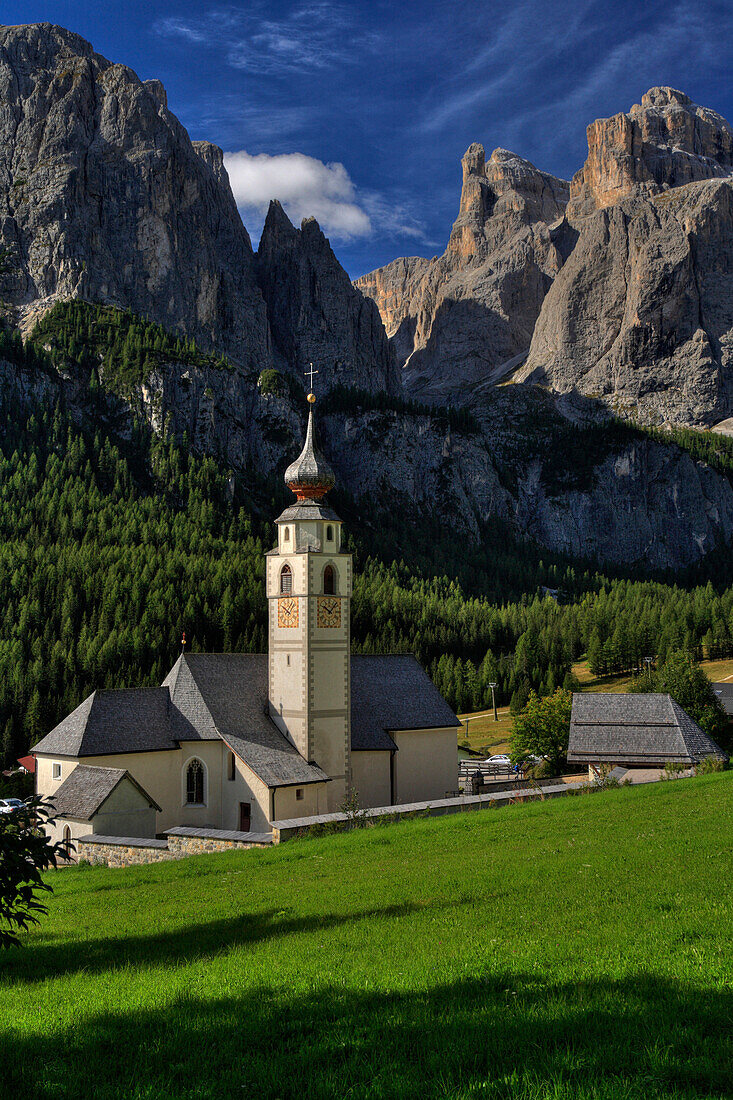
<point x="311" y="399"/>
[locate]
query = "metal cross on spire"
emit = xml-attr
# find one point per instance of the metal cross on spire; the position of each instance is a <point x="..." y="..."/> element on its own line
<point x="309" y="374"/>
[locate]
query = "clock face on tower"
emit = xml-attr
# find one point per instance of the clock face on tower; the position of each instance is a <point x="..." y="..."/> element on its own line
<point x="329" y="611"/>
<point x="287" y="611"/>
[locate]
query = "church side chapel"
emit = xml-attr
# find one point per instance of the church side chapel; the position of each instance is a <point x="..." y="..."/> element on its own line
<point x="236" y="741"/>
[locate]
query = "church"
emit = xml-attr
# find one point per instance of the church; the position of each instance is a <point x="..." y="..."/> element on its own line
<point x="237" y="741"/>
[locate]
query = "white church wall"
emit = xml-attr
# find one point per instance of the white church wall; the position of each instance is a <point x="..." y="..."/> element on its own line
<point x="426" y="765"/>
<point x="125" y="813"/>
<point x="245" y="787"/>
<point x="288" y="666"/>
<point x="370" y="778"/>
<point x="77" y="828"/>
<point x="298" y="564"/>
<point x="331" y="753"/>
<point x="329" y="680"/>
<point x="314" y="800"/>
<point x="45" y="783"/>
<point x="162" y="774"/>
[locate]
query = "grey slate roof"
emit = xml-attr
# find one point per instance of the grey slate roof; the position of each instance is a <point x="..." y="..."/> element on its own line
<point x="306" y="510"/>
<point x="112" y="722"/>
<point x="212" y="696"/>
<point x="390" y="693"/>
<point x="724" y="691"/>
<point x="87" y="788"/>
<point x="387" y="693"/>
<point x="634" y="729"/>
<point x="224" y="695"/>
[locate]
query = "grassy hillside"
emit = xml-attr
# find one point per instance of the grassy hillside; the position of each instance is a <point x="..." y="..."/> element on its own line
<point x="548" y="950"/>
<point x="714" y="670"/>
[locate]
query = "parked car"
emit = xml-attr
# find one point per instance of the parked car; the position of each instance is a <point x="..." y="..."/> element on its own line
<point x="11" y="805"/>
<point x="499" y="758"/>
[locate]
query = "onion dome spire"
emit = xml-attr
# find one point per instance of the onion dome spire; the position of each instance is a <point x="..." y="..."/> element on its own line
<point x="310" y="477"/>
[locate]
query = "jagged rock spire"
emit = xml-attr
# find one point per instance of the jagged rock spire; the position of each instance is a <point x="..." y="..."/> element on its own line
<point x="310" y="477"/>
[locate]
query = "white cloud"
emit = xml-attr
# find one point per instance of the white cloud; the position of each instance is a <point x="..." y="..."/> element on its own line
<point x="311" y="36"/>
<point x="178" y="28"/>
<point x="520" y="51"/>
<point x="306" y="187"/>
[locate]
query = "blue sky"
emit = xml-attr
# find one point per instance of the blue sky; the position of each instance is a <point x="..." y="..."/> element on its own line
<point x="359" y="112"/>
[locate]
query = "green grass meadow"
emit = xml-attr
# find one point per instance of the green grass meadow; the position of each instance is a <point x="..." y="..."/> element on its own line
<point x="571" y="948"/>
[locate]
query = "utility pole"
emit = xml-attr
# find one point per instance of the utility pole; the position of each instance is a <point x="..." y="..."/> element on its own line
<point x="493" y="700"/>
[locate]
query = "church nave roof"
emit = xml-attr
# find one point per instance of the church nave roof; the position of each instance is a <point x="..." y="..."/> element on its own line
<point x="111" y="722"/>
<point x="225" y="695"/>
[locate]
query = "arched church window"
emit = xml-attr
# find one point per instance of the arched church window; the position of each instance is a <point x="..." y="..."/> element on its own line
<point x="329" y="581"/>
<point x="67" y="842"/>
<point x="195" y="783"/>
<point x="286" y="580"/>
<point x="286" y="534"/>
<point x="329" y="533"/>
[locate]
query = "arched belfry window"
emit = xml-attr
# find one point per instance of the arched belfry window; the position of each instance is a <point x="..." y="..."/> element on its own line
<point x="195" y="783"/>
<point x="286" y="580"/>
<point x="329" y="533"/>
<point x="286" y="535"/>
<point x="329" y="581"/>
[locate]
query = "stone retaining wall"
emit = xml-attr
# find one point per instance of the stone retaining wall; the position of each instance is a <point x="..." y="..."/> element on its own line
<point x="193" y="845"/>
<point x="114" y="854"/>
<point x="129" y="851"/>
<point x="296" y="827"/>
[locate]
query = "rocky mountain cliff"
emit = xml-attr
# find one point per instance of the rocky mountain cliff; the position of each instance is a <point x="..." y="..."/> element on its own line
<point x="665" y="141"/>
<point x="623" y="293"/>
<point x="633" y="502"/>
<point x="641" y="316"/>
<point x="463" y="317"/>
<point x="315" y="314"/>
<point x="104" y="197"/>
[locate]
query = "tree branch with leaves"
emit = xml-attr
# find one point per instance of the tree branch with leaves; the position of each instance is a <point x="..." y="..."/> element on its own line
<point x="25" y="853"/>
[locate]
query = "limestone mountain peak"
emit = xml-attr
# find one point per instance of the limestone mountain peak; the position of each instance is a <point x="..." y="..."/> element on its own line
<point x="315" y="314"/>
<point x="664" y="141"/>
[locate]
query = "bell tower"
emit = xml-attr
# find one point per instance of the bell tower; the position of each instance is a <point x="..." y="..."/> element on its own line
<point x="309" y="581"/>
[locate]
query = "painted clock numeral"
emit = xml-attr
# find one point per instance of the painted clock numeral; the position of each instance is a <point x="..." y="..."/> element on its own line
<point x="287" y="612"/>
<point x="329" y="611"/>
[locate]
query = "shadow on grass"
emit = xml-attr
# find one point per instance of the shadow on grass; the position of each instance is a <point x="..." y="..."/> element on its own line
<point x="498" y="1036"/>
<point x="36" y="961"/>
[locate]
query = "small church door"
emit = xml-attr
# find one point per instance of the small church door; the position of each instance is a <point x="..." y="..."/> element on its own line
<point x="245" y="816"/>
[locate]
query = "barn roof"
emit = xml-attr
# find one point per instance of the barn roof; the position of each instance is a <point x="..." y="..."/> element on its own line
<point x="724" y="691"/>
<point x="88" y="788"/>
<point x="635" y="729"/>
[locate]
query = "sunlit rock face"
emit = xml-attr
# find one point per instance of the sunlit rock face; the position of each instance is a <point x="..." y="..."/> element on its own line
<point x="665" y="141"/>
<point x="462" y="318"/>
<point x="641" y="316"/>
<point x="104" y="197"/>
